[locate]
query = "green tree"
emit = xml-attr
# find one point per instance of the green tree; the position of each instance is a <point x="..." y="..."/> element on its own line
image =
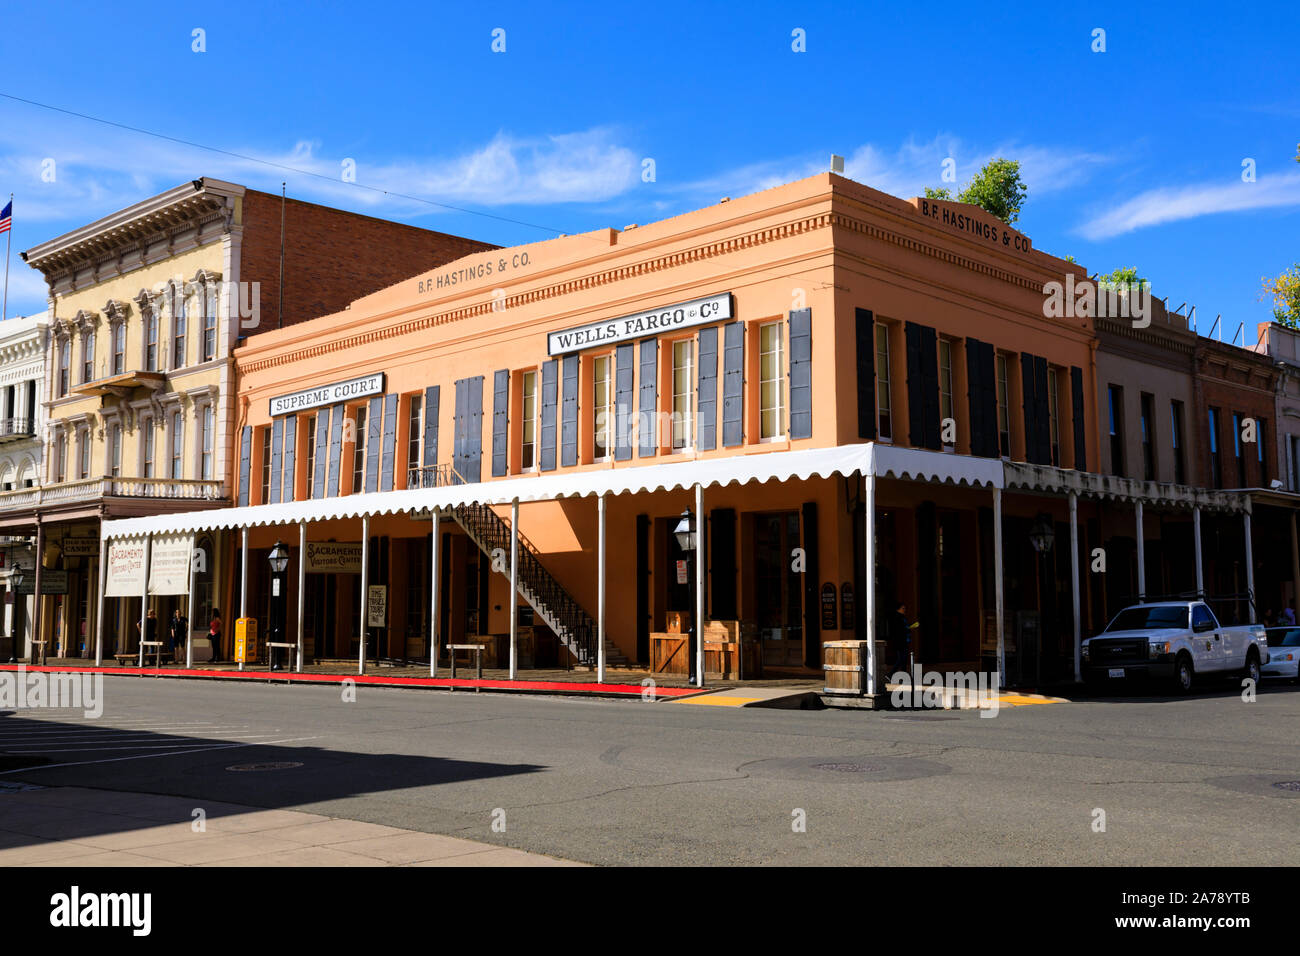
<point x="997" y="189"/>
<point x="1285" y="290"/>
<point x="1124" y="278"/>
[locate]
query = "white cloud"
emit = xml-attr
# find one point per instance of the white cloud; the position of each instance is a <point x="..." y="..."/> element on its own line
<point x="1157" y="206"/>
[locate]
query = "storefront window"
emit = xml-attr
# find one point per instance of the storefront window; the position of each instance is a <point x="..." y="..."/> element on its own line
<point x="771" y="383"/>
<point x="683" y="394"/>
<point x="885" y="425"/>
<point x="601" y="406"/>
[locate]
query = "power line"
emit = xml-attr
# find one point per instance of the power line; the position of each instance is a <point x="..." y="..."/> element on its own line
<point x="281" y="166"/>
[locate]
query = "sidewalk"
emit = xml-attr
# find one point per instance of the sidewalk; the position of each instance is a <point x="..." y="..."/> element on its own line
<point x="619" y="682"/>
<point x="74" y="826"/>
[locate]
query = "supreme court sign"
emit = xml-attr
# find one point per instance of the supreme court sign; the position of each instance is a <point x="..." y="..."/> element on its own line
<point x="713" y="308"/>
<point x="362" y="387"/>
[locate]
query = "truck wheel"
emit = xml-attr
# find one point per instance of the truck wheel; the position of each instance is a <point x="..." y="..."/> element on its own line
<point x="1252" y="666"/>
<point x="1184" y="674"/>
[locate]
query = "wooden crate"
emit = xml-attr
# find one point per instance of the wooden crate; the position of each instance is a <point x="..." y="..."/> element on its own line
<point x="845" y="666"/>
<point x="669" y="653"/>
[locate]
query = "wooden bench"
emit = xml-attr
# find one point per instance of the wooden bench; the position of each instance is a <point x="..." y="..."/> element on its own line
<point x="270" y="654"/>
<point x="124" y="659"/>
<point x="478" y="657"/>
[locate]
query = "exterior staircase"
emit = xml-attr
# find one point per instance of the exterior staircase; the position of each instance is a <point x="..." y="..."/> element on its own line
<point x="552" y="603"/>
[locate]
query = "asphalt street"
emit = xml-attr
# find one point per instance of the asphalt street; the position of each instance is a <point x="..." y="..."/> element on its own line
<point x="1191" y="781"/>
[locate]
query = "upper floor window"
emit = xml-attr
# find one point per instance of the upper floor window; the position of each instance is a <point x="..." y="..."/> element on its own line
<point x="359" y="453"/>
<point x="61" y="457"/>
<point x="945" y="385"/>
<point x="178" y="327"/>
<point x="1237" y="450"/>
<point x="147" y="446"/>
<point x="884" y="407"/>
<point x="1148" y="437"/>
<point x="413" y="433"/>
<point x="115" y="450"/>
<point x="1115" y="395"/>
<point x="205" y="446"/>
<point x="771" y="387"/>
<point x="1004" y="414"/>
<point x="1216" y="464"/>
<point x="178" y="446"/>
<point x="88" y="357"/>
<point x="119" y="348"/>
<point x="150" y="338"/>
<point x="683" y="394"/>
<point x="1054" y="417"/>
<point x="528" y="431"/>
<point x="83" y="453"/>
<point x="1176" y="441"/>
<point x="309" y="423"/>
<point x="209" y="328"/>
<point x="1261" y="434"/>
<point x="601" y="406"/>
<point x="65" y="357"/>
<point x="266" y="465"/>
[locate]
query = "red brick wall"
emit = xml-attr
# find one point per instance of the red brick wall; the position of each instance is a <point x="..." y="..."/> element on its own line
<point x="332" y="257"/>
<point x="1234" y="380"/>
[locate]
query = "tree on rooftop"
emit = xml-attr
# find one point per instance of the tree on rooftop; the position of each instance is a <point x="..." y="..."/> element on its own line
<point x="997" y="189"/>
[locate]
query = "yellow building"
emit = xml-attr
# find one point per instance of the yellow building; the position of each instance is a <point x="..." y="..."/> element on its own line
<point x="146" y="307"/>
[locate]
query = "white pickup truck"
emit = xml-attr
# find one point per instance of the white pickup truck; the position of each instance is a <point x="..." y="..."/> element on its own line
<point x="1173" y="640"/>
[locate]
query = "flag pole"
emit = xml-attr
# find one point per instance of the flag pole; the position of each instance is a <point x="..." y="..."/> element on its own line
<point x="9" y="241"/>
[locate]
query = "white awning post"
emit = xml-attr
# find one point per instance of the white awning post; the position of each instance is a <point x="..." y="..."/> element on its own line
<point x="243" y="589"/>
<point x="302" y="591"/>
<point x="433" y="601"/>
<point x="1141" y="554"/>
<point x="1196" y="545"/>
<point x="1250" y="563"/>
<point x="144" y="597"/>
<point x="514" y="590"/>
<point x="869" y="587"/>
<point x="600" y="588"/>
<point x="701" y="558"/>
<point x="189" y="614"/>
<point x="99" y="605"/>
<point x="1074" y="587"/>
<point x="1295" y="563"/>
<point x="365" y="591"/>
<point x="997" y="586"/>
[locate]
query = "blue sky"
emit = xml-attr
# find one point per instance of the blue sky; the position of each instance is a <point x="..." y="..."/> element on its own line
<point x="1132" y="156"/>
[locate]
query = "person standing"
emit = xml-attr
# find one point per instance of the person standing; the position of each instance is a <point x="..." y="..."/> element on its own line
<point x="900" y="638"/>
<point x="214" y="635"/>
<point x="180" y="633"/>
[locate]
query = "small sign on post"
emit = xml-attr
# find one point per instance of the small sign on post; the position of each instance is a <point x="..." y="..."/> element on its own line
<point x="377" y="614"/>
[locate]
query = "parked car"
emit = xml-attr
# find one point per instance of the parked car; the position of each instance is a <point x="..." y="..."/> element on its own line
<point x="1174" y="641"/>
<point x="1284" y="653"/>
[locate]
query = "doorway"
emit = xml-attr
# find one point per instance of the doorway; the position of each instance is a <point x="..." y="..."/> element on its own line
<point x="778" y="589"/>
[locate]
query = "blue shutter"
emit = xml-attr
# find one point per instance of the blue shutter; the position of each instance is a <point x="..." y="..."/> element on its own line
<point x="1076" y="406"/>
<point x="277" y="445"/>
<point x="648" y="426"/>
<point x="626" y="359"/>
<point x="245" y="463"/>
<point x="708" y="398"/>
<point x="431" y="398"/>
<point x="322" y="452"/>
<point x="374" y="435"/>
<point x="801" y="373"/>
<point x="865" y="341"/>
<point x="474" y="425"/>
<point x="459" y="428"/>
<point x="733" y="384"/>
<point x="290" y="444"/>
<point x="390" y="443"/>
<point x="569" y="413"/>
<point x="336" y="447"/>
<point x="500" y="421"/>
<point x="550" y="381"/>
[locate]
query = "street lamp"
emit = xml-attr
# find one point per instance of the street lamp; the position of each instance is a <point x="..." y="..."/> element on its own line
<point x="15" y="582"/>
<point x="686" y="539"/>
<point x="279" y="561"/>
<point x="1042" y="535"/>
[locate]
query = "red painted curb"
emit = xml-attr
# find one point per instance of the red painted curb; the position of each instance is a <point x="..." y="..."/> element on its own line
<point x="563" y="687"/>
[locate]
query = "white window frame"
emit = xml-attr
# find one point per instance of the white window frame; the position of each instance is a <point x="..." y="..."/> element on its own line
<point x="607" y="406"/>
<point x="175" y="456"/>
<point x="148" y="448"/>
<point x="946" y="389"/>
<point x="884" y="384"/>
<point x="528" y="421"/>
<point x="206" y="419"/>
<point x="686" y="420"/>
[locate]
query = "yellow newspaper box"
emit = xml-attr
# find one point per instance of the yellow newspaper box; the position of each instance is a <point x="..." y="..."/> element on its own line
<point x="245" y="640"/>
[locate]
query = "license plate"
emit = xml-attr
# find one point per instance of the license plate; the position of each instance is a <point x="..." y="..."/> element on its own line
<point x="1115" y="672"/>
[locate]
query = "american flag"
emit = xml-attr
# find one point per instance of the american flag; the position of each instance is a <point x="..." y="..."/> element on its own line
<point x="6" y="216"/>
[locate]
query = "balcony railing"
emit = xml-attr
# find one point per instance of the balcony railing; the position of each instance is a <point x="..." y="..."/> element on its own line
<point x="15" y="428"/>
<point x="90" y="489"/>
<point x="434" y="476"/>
